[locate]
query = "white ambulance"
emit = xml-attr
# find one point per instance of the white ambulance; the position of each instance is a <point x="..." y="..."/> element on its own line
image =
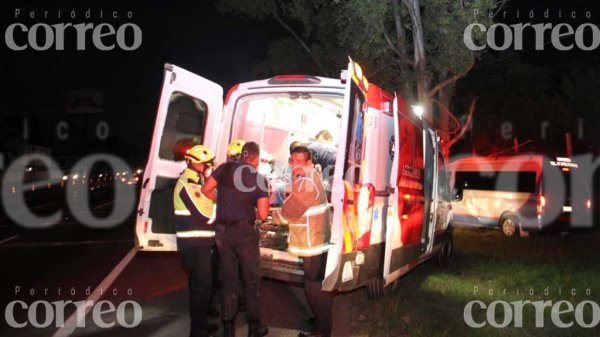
<point x="390" y="197"/>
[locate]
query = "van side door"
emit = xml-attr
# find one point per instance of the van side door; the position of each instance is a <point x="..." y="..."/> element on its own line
<point x="406" y="216"/>
<point x="189" y="110"/>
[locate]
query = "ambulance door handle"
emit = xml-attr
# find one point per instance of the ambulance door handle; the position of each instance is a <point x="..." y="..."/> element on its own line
<point x="146" y="182"/>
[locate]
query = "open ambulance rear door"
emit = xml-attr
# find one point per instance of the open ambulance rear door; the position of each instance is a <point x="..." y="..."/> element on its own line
<point x="408" y="231"/>
<point x="350" y="231"/>
<point x="189" y="112"/>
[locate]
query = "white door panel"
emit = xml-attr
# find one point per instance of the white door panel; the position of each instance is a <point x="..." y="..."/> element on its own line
<point x="188" y="113"/>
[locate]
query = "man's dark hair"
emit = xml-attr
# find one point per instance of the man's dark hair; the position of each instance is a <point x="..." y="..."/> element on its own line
<point x="294" y="145"/>
<point x="250" y="150"/>
<point x="303" y="150"/>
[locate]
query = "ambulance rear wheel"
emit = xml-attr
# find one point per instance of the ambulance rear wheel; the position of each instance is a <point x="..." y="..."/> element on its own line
<point x="509" y="224"/>
<point x="446" y="252"/>
<point x="376" y="289"/>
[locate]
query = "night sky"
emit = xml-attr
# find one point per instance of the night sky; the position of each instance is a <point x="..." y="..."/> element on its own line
<point x="190" y="34"/>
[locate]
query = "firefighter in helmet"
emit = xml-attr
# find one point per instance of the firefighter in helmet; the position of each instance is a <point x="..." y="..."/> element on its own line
<point x="234" y="149"/>
<point x="194" y="215"/>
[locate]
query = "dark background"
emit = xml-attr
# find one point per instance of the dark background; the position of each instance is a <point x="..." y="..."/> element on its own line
<point x="190" y="34"/>
<point x="223" y="48"/>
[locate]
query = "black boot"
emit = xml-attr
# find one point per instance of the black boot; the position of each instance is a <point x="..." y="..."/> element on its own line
<point x="228" y="329"/>
<point x="255" y="329"/>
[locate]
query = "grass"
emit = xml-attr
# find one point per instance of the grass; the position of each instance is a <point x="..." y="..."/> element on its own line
<point x="488" y="267"/>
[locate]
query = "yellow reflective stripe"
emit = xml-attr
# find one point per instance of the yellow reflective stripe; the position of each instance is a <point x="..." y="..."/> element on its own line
<point x="196" y="234"/>
<point x="308" y="251"/>
<point x="182" y="212"/>
<point x="281" y="217"/>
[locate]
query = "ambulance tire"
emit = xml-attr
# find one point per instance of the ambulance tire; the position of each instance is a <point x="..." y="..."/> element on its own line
<point x="446" y="252"/>
<point x="509" y="225"/>
<point x="375" y="289"/>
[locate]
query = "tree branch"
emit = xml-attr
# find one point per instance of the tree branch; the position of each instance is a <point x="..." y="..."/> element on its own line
<point x="306" y="48"/>
<point x="380" y="68"/>
<point x="400" y="31"/>
<point x="403" y="57"/>
<point x="452" y="79"/>
<point x="454" y="122"/>
<point x="464" y="127"/>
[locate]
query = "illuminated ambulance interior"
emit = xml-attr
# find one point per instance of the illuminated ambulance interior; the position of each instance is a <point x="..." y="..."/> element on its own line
<point x="274" y="121"/>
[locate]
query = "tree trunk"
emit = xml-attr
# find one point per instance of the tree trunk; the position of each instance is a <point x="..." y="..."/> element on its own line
<point x="420" y="61"/>
<point x="444" y="122"/>
<point x="401" y="46"/>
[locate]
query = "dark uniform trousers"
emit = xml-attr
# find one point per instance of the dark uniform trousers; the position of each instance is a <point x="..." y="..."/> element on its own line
<point x="237" y="242"/>
<point x="197" y="260"/>
<point x="320" y="301"/>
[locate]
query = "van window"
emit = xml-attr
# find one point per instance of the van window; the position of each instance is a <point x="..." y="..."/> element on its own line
<point x="443" y="184"/>
<point x="410" y="182"/>
<point x="488" y="181"/>
<point x="410" y="166"/>
<point x="355" y="138"/>
<point x="184" y="126"/>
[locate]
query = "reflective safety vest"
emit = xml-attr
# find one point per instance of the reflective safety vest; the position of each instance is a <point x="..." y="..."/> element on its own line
<point x="306" y="212"/>
<point x="194" y="212"/>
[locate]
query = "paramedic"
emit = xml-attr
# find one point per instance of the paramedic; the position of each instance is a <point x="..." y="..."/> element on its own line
<point x="234" y="152"/>
<point x="307" y="213"/>
<point x="194" y="215"/>
<point x="325" y="154"/>
<point x="324" y="150"/>
<point x="242" y="198"/>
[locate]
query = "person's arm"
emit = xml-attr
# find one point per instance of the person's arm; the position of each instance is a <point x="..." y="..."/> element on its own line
<point x="262" y="208"/>
<point x="303" y="196"/>
<point x="209" y="188"/>
<point x="187" y="196"/>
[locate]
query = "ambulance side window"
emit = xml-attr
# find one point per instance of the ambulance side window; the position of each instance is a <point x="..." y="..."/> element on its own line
<point x="355" y="139"/>
<point x="410" y="165"/>
<point x="184" y="126"/>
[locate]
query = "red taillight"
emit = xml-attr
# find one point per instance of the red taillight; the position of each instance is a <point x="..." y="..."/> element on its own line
<point x="588" y="203"/>
<point x="542" y="201"/>
<point x="294" y="79"/>
<point x="145" y="227"/>
<point x="366" y="200"/>
<point x="541" y="204"/>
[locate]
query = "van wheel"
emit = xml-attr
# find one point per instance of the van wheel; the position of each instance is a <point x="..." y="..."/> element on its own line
<point x="446" y="252"/>
<point x="375" y="289"/>
<point x="509" y="225"/>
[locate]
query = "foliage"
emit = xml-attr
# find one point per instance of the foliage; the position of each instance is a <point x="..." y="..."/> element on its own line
<point x="540" y="105"/>
<point x="330" y="30"/>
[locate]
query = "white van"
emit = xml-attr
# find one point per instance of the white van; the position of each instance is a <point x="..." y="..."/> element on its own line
<point x="390" y="195"/>
<point x="517" y="194"/>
